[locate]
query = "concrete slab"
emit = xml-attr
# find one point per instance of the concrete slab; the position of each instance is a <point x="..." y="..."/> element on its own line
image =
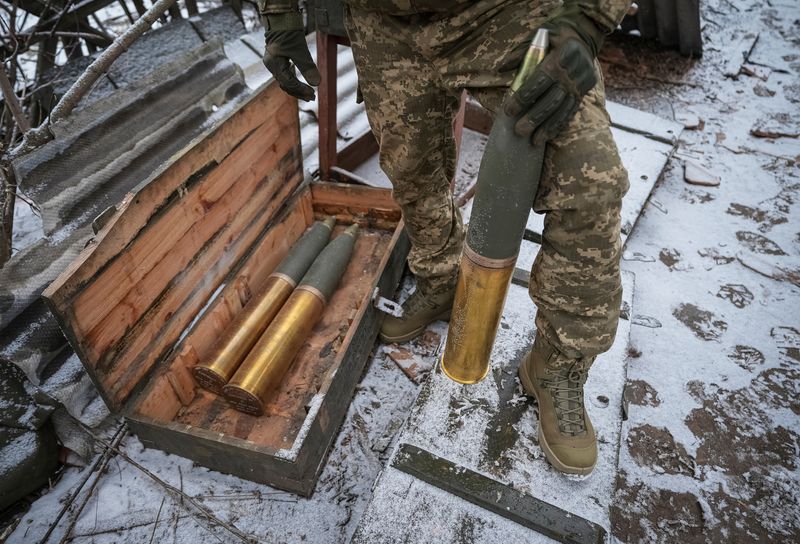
<point x="491" y="428"/>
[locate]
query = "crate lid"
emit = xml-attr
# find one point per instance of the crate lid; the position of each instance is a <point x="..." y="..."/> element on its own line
<point x="127" y="300"/>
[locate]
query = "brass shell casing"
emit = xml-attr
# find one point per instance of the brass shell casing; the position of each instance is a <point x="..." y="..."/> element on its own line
<point x="271" y="357"/>
<point x="242" y="334"/>
<point x="478" y="305"/>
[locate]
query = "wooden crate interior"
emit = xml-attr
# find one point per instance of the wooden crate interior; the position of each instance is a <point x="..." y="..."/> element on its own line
<point x="149" y="296"/>
<point x="173" y="396"/>
<point x="127" y="299"/>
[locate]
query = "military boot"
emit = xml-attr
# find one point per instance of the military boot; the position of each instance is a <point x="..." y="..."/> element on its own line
<point x="419" y="310"/>
<point x="566" y="434"/>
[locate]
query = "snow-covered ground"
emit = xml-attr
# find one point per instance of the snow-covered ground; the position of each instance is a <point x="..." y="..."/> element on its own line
<point x="710" y="449"/>
<point x="709" y="452"/>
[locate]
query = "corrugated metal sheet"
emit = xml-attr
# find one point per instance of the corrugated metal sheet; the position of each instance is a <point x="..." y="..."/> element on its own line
<point x="674" y="23"/>
<point x="104" y="150"/>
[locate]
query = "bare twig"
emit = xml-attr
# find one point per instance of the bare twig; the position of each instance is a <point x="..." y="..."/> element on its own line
<point x="12" y="102"/>
<point x="200" y="512"/>
<point x="104" y="61"/>
<point x="126" y="10"/>
<point x="100" y="459"/>
<point x="121" y="528"/>
<point x="33" y="37"/>
<point x="158" y="515"/>
<point x="77" y="514"/>
<point x="7" y="201"/>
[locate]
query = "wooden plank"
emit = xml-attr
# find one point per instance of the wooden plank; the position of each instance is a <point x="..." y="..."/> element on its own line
<point x="477" y="118"/>
<point x="690" y="38"/>
<point x="326" y="62"/>
<point x="154" y="335"/>
<point x="646" y="17"/>
<point x="137" y="209"/>
<point x="113" y="300"/>
<point x="667" y="18"/>
<point x="226" y="454"/>
<point x="347" y="202"/>
<point x="498" y="497"/>
<point x="350" y="196"/>
<point x="163" y="403"/>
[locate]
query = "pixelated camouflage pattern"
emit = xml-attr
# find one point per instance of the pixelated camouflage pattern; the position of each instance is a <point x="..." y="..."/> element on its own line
<point x="606" y="13"/>
<point x="411" y="73"/>
<point x="575" y="280"/>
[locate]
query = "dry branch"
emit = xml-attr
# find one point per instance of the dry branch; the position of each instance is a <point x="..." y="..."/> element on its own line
<point x="118" y="435"/>
<point x="41" y="134"/>
<point x="198" y="510"/>
<point x="7" y="198"/>
<point x="12" y="102"/>
<point x="105" y="60"/>
<point x="106" y="455"/>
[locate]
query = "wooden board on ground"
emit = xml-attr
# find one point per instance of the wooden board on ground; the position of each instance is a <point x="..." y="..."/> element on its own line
<point x="490" y="428"/>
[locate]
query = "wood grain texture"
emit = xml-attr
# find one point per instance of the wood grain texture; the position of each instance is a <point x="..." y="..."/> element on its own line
<point x="170" y="271"/>
<point x="136" y="209"/>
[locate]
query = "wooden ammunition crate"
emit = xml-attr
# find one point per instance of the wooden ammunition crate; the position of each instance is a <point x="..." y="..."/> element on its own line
<point x="181" y="256"/>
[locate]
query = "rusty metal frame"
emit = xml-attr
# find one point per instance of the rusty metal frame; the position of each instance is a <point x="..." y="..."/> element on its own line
<point x="338" y="165"/>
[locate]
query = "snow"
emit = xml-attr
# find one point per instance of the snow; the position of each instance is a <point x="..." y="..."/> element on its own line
<point x="27" y="225"/>
<point x="727" y="469"/>
<point x="17" y="451"/>
<point x="491" y="428"/>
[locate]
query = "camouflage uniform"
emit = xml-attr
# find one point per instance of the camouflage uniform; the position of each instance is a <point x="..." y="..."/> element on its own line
<point x="413" y="63"/>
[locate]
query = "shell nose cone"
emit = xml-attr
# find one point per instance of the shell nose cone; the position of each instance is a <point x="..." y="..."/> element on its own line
<point x="542" y="39"/>
<point x="329" y="222"/>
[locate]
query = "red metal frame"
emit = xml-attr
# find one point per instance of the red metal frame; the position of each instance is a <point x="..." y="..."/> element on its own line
<point x="331" y="162"/>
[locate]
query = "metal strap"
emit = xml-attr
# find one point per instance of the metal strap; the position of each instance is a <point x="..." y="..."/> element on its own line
<point x="498" y="497"/>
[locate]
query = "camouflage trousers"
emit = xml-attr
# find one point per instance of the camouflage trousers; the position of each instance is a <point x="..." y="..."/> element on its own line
<point x="412" y="71"/>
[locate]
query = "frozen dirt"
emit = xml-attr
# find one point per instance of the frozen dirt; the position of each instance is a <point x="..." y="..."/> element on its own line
<point x="710" y="449"/>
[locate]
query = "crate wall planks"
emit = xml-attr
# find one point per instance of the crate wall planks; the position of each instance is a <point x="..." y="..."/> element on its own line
<point x="180" y="258"/>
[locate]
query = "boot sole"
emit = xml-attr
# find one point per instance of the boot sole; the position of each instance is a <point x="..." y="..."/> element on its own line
<point x="527" y="386"/>
<point x="444" y="316"/>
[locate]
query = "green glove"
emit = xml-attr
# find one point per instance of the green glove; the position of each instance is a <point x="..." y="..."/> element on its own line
<point x="286" y="44"/>
<point x="548" y="99"/>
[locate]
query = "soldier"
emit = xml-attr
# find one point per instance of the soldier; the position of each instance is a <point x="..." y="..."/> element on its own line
<point x="414" y="58"/>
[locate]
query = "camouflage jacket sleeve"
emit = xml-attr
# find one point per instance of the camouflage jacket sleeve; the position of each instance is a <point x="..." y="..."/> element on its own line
<point x="606" y="14"/>
<point x="276" y="6"/>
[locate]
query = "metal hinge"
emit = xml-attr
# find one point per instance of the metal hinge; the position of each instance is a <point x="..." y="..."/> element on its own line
<point x="385" y="305"/>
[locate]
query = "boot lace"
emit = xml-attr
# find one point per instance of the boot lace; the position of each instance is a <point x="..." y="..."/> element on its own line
<point x="566" y="386"/>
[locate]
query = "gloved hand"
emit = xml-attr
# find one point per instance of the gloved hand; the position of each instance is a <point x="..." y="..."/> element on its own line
<point x="548" y="99"/>
<point x="286" y="44"/>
